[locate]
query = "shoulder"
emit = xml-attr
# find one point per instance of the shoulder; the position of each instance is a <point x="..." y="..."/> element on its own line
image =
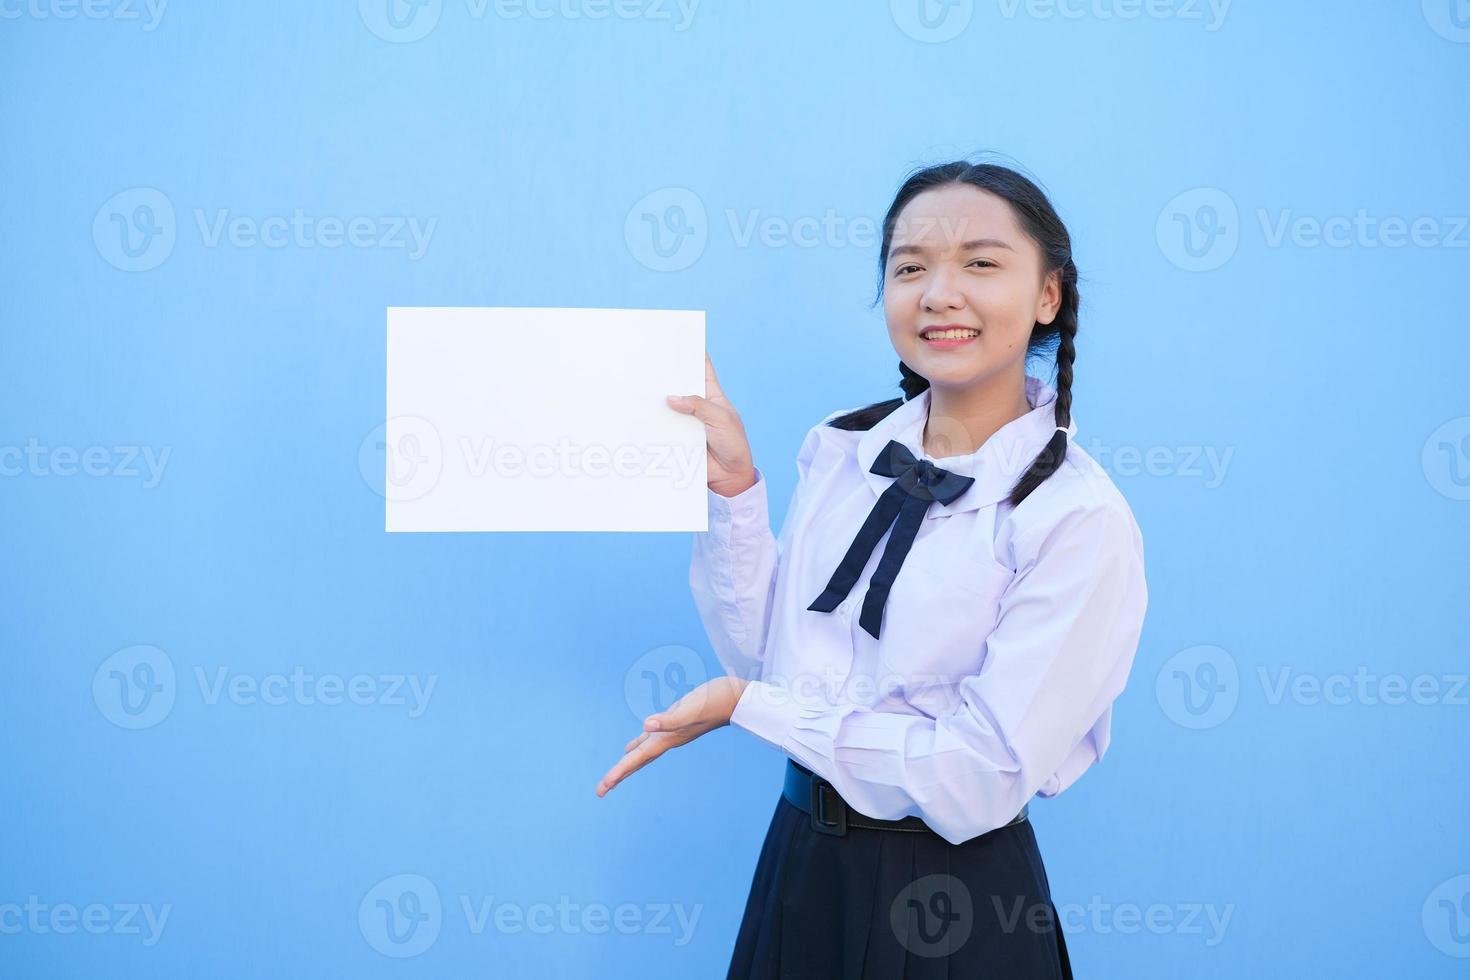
<point x="1079" y="499"/>
<point x="823" y="434"/>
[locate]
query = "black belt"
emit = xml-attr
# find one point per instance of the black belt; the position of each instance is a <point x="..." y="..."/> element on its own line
<point x="830" y="813"/>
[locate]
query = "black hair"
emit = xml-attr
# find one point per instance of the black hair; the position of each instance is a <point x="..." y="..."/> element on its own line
<point x="1039" y="220"/>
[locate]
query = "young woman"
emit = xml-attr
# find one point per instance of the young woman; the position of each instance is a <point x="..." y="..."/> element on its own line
<point x="941" y="629"/>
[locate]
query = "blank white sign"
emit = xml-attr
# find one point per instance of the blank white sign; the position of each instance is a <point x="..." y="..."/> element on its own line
<point x="531" y="419"/>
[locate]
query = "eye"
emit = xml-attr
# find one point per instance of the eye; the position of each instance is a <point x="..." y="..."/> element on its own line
<point x="987" y="262"/>
<point x="900" y="270"/>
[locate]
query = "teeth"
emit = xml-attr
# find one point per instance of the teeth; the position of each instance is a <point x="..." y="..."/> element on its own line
<point x="950" y="334"/>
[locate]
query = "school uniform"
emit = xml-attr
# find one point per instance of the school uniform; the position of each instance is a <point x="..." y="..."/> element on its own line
<point x="929" y="659"/>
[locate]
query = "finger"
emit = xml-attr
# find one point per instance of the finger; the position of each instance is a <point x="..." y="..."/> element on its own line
<point x="629" y="747"/>
<point x="712" y="387"/>
<point x="631" y="763"/>
<point x="688" y="404"/>
<point x="678" y="714"/>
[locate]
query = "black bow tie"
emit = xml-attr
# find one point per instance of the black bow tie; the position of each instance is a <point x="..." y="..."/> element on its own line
<point x="919" y="483"/>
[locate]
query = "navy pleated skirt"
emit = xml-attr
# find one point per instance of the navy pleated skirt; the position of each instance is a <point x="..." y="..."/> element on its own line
<point x="895" y="905"/>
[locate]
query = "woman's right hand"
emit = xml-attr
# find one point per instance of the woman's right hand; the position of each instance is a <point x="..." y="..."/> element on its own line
<point x="728" y="464"/>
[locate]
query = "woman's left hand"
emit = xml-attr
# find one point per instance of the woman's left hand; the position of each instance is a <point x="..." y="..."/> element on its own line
<point x="703" y="709"/>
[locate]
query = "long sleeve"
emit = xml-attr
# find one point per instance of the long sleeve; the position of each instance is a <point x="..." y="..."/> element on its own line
<point x="1052" y="666"/>
<point x="732" y="571"/>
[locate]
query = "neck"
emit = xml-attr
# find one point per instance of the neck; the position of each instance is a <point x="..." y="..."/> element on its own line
<point x="962" y="419"/>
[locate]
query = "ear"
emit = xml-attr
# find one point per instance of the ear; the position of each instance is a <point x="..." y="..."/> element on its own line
<point x="1051" y="297"/>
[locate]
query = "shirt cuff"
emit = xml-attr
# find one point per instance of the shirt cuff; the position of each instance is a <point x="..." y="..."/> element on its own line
<point x="767" y="711"/>
<point x="747" y="505"/>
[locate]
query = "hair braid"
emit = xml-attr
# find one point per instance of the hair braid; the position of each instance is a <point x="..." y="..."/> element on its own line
<point x="1049" y="460"/>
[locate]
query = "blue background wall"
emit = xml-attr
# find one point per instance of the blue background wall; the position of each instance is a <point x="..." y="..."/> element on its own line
<point x="1286" y="412"/>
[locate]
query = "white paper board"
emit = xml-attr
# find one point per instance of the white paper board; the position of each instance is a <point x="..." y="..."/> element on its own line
<point x="543" y="419"/>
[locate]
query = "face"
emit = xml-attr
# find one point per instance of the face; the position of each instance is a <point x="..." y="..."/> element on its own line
<point x="958" y="257"/>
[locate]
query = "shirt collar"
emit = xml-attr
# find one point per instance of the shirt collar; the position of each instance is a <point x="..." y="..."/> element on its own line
<point x="996" y="466"/>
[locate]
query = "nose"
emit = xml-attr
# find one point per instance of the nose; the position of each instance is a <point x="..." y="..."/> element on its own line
<point x="940" y="293"/>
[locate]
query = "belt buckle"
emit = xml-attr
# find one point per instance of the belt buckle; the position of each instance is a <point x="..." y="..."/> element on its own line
<point x="836" y="828"/>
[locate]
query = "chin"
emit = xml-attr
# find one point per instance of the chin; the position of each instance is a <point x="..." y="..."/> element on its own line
<point x="943" y="370"/>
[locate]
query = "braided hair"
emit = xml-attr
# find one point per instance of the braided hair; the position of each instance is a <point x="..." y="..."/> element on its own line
<point x="1039" y="219"/>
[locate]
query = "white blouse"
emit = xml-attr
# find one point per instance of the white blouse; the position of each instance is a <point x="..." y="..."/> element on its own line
<point x="1005" y="638"/>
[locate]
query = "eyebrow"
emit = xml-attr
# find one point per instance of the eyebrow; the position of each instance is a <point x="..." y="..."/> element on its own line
<point x="964" y="247"/>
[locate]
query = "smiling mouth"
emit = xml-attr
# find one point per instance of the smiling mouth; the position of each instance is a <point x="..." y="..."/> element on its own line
<point x="949" y="339"/>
